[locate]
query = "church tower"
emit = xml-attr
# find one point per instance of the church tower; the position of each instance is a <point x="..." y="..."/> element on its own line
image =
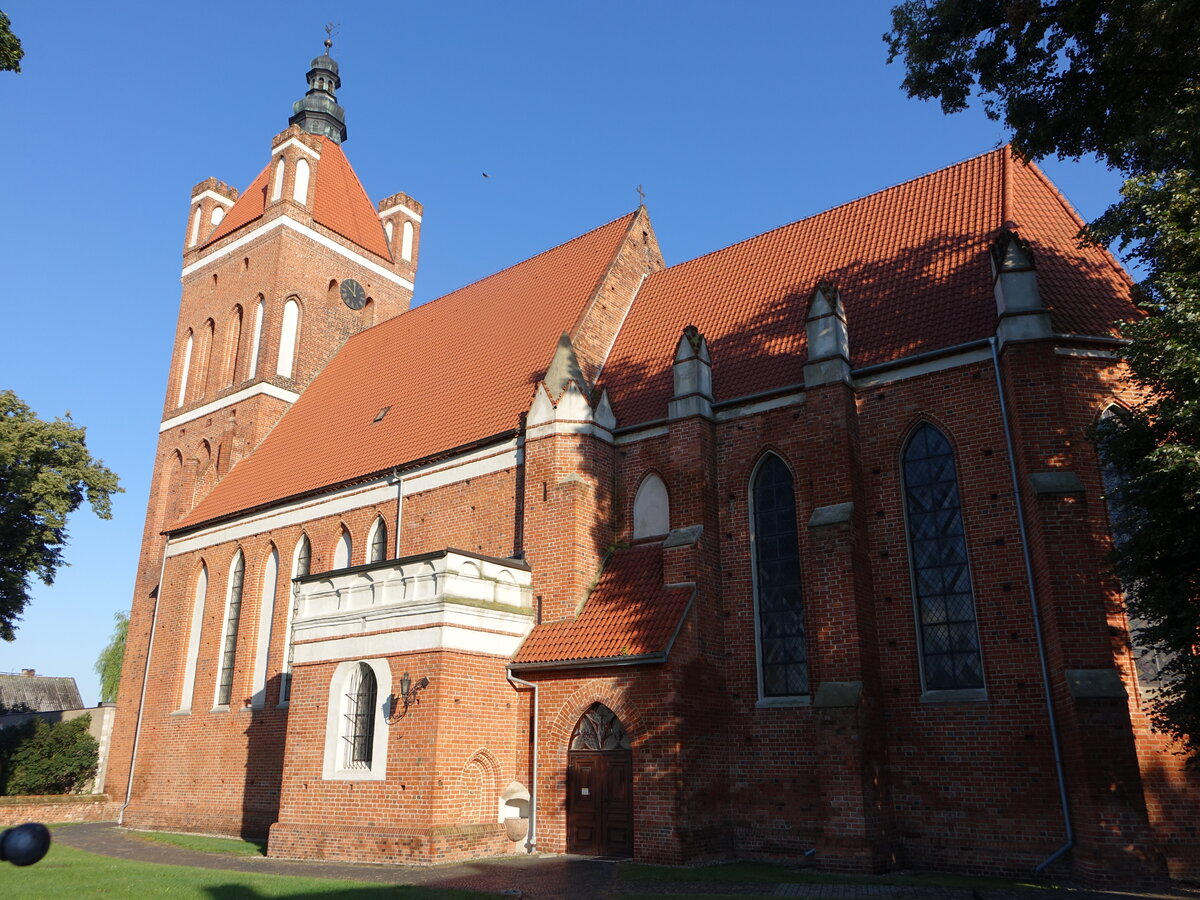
<point x="275" y="279"/>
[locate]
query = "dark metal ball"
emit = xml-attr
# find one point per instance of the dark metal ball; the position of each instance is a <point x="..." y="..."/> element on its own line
<point x="25" y="844"/>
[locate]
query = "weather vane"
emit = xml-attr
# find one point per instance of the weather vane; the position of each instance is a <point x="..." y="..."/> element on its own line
<point x="331" y="28"/>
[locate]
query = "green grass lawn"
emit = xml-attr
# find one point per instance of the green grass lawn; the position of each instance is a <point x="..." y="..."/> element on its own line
<point x="70" y="873"/>
<point x="221" y="845"/>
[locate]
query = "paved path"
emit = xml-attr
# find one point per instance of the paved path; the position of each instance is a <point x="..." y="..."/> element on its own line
<point x="544" y="877"/>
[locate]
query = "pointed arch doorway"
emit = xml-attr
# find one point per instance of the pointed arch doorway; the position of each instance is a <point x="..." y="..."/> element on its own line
<point x="600" y="786"/>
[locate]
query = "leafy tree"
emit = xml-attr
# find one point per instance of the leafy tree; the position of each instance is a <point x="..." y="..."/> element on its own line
<point x="46" y="472"/>
<point x="108" y="663"/>
<point x="1120" y="80"/>
<point x="45" y="758"/>
<point x="10" y="47"/>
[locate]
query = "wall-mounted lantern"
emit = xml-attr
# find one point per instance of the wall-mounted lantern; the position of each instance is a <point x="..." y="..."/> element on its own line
<point x="398" y="704"/>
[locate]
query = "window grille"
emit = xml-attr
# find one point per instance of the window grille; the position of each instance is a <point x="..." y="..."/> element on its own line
<point x="783" y="651"/>
<point x="599" y="729"/>
<point x="229" y="652"/>
<point x="949" y="637"/>
<point x="360" y="717"/>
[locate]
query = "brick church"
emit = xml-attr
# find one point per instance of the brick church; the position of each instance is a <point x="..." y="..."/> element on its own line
<point x="796" y="550"/>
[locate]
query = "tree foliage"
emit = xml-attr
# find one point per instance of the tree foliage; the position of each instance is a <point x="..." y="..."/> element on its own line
<point x="10" y="47"/>
<point x="111" y="658"/>
<point x="46" y="472"/>
<point x="1120" y="80"/>
<point x="47" y="758"/>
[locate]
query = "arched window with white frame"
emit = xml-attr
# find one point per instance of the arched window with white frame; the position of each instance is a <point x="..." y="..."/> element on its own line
<point x="288" y="334"/>
<point x="948" y="635"/>
<point x="256" y="336"/>
<point x="300" y="187"/>
<point x="377" y="550"/>
<point x="387" y="230"/>
<point x="195" y="235"/>
<point x="277" y="187"/>
<point x="355" y="733"/>
<point x="778" y="592"/>
<point x="301" y="565"/>
<point x="343" y="551"/>
<point x="233" y="345"/>
<point x="192" y="659"/>
<point x="266" y="618"/>
<point x="185" y="369"/>
<point x="229" y="634"/>
<point x="406" y="241"/>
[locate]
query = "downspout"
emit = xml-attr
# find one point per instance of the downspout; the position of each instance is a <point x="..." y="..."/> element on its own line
<point x="1037" y="622"/>
<point x="137" y="729"/>
<point x="399" y="506"/>
<point x="531" y="838"/>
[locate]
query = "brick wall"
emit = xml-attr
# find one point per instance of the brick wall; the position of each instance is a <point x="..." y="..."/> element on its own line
<point x="53" y="808"/>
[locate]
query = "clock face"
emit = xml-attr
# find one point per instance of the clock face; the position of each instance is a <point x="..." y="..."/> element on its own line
<point x="353" y="294"/>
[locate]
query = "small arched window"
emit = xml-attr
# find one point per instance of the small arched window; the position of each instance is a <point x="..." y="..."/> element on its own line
<point x="185" y="369"/>
<point x="266" y="617"/>
<point x="277" y="187"/>
<point x="343" y="552"/>
<point x="387" y="229"/>
<point x="287" y="339"/>
<point x="256" y="337"/>
<point x="360" y="717"/>
<point x="204" y="359"/>
<point x="217" y="215"/>
<point x="377" y="549"/>
<point x="651" y="508"/>
<point x="300" y="188"/>
<point x="778" y="596"/>
<point x="406" y="242"/>
<point x="195" y="235"/>
<point x="233" y="611"/>
<point x="937" y="547"/>
<point x="193" y="645"/>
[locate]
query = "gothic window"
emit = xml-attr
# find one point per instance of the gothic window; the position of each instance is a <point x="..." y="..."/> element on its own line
<point x="195" y="235"/>
<point x="233" y="346"/>
<point x="599" y="729"/>
<point x="233" y="609"/>
<point x="1148" y="661"/>
<point x="200" y="383"/>
<point x="387" y="228"/>
<point x="300" y="567"/>
<point x="343" y="551"/>
<point x="186" y="368"/>
<point x="277" y="187"/>
<point x="406" y="242"/>
<point x="287" y="338"/>
<point x="948" y="636"/>
<point x="651" y="508"/>
<point x="193" y="646"/>
<point x="377" y="549"/>
<point x="360" y="717"/>
<point x="300" y="188"/>
<point x="256" y="338"/>
<point x="266" y="617"/>
<point x="778" y="596"/>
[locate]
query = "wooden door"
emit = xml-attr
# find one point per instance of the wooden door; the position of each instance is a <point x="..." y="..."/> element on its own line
<point x="600" y="802"/>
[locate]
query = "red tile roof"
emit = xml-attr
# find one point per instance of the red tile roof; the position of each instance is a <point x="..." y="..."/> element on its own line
<point x="339" y="203"/>
<point x="453" y="371"/>
<point x="911" y="263"/>
<point x="630" y="613"/>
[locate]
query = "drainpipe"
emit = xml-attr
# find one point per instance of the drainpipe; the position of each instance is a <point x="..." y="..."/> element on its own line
<point x="137" y="730"/>
<point x="531" y="838"/>
<point x="399" y="506"/>
<point x="1037" y="622"/>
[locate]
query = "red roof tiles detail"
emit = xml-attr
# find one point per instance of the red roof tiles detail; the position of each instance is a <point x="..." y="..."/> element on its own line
<point x="453" y="371"/>
<point x="629" y="613"/>
<point x="911" y="263"/>
<point x="339" y="203"/>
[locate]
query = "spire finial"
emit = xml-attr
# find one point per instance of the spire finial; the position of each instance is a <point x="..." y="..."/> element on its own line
<point x="318" y="111"/>
<point x="641" y="196"/>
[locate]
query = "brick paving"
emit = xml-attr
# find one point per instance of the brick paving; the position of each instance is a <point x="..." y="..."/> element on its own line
<point x="538" y="877"/>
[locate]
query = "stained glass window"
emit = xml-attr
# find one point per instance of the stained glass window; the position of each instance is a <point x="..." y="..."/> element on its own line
<point x="938" y="552"/>
<point x="783" y="652"/>
<point x="599" y="729"/>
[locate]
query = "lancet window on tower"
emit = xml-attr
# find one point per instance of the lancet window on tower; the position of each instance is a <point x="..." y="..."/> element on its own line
<point x="288" y="335"/>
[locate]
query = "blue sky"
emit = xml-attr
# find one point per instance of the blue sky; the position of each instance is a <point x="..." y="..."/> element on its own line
<point x="736" y="118"/>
